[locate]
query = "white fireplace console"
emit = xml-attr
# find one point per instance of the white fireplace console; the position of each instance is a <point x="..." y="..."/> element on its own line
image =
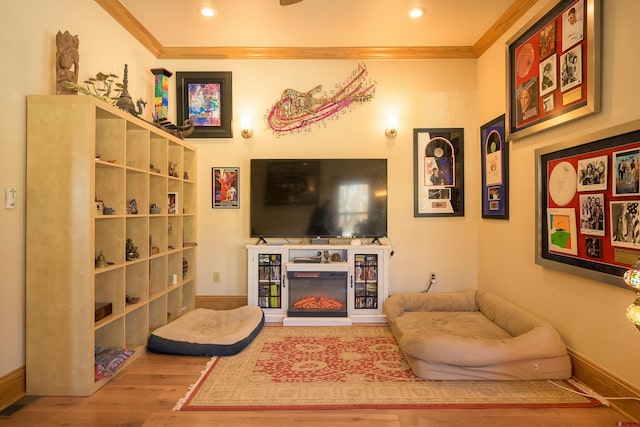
<point x="367" y="283"/>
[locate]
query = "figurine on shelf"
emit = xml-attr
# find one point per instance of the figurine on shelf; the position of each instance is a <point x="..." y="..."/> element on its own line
<point x="133" y="207"/>
<point x="101" y="261"/>
<point x="132" y="300"/>
<point x="131" y="251"/>
<point x="185" y="176"/>
<point x="173" y="169"/>
<point x="154" y="209"/>
<point x="153" y="168"/>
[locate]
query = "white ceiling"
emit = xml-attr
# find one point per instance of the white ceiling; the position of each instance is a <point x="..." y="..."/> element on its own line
<point x="317" y="23"/>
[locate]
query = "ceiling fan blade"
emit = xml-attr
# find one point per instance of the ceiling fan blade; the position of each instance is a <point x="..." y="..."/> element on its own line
<point x="289" y="2"/>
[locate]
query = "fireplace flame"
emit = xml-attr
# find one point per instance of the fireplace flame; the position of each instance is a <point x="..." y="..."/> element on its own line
<point x="322" y="302"/>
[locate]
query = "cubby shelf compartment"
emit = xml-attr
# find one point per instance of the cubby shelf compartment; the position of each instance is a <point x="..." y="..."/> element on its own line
<point x="84" y="155"/>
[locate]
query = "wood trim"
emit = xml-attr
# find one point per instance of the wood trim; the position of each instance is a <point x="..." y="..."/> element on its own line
<point x="606" y="384"/>
<point x="12" y="387"/>
<point x="500" y="27"/>
<point x="129" y="22"/>
<point x="220" y="302"/>
<point x="359" y="53"/>
<point x="137" y="30"/>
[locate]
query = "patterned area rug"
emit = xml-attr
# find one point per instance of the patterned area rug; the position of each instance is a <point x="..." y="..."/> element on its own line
<point x="349" y="367"/>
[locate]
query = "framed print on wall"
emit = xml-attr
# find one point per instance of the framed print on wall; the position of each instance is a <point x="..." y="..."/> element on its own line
<point x="588" y="204"/>
<point x="553" y="68"/>
<point x="205" y="99"/>
<point x="494" y="160"/>
<point x="438" y="167"/>
<point x="225" y="187"/>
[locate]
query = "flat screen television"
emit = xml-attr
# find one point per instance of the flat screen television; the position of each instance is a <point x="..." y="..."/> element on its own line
<point x="318" y="198"/>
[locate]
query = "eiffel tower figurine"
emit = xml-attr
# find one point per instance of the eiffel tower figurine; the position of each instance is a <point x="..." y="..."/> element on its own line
<point x="124" y="101"/>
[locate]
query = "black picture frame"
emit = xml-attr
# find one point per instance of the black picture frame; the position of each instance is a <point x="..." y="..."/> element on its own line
<point x="438" y="165"/>
<point x="494" y="159"/>
<point x="225" y="187"/>
<point x="553" y="68"/>
<point x="205" y="98"/>
<point x="593" y="248"/>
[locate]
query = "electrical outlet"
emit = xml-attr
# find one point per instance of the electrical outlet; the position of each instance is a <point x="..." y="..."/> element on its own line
<point x="216" y="276"/>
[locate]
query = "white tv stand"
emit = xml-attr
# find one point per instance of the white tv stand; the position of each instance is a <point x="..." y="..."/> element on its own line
<point x="367" y="280"/>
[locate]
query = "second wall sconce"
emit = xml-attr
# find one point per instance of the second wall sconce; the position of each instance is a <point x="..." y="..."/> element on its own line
<point x="392" y="127"/>
<point x="245" y="127"/>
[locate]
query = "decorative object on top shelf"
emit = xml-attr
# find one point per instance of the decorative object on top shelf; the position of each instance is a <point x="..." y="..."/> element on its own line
<point x="161" y="93"/>
<point x="494" y="161"/>
<point x="225" y="185"/>
<point x="175" y="130"/>
<point x="296" y="111"/>
<point x="553" y="68"/>
<point x="102" y="86"/>
<point x="131" y="251"/>
<point x="154" y="209"/>
<point x="205" y="100"/>
<point x="124" y="101"/>
<point x="438" y="172"/>
<point x="632" y="278"/>
<point x="67" y="63"/>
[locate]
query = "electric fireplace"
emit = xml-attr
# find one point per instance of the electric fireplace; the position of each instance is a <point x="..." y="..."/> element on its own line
<point x="317" y="293"/>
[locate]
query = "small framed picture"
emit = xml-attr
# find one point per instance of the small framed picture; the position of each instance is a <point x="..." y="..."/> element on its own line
<point x="172" y="207"/>
<point x="225" y="187"/>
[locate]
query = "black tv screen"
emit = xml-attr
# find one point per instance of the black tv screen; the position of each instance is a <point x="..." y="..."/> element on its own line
<point x="318" y="198"/>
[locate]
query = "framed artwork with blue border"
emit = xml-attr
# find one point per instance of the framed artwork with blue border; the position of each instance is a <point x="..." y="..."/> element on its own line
<point x="495" y="169"/>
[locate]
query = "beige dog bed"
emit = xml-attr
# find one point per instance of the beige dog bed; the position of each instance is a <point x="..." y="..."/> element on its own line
<point x="474" y="336"/>
<point x="203" y="332"/>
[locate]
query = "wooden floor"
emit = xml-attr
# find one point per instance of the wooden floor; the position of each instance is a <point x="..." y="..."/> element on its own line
<point x="145" y="392"/>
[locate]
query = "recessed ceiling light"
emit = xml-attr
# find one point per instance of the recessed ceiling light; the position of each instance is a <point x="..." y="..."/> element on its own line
<point x="208" y="12"/>
<point x="416" y="12"/>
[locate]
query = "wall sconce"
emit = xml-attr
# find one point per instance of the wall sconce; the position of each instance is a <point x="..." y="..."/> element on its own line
<point x="632" y="278"/>
<point x="392" y="127"/>
<point x="245" y="127"/>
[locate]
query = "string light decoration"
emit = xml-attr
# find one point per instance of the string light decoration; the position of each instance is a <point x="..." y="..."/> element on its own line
<point x="296" y="111"/>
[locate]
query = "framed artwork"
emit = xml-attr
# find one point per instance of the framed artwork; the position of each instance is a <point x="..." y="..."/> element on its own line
<point x="173" y="203"/>
<point x="438" y="165"/>
<point x="588" y="205"/>
<point x="225" y="184"/>
<point x="204" y="98"/>
<point x="553" y="68"/>
<point x="494" y="160"/>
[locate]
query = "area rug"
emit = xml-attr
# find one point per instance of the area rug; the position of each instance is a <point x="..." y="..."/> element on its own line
<point x="349" y="367"/>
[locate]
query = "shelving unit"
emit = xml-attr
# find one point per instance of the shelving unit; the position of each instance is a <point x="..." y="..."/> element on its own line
<point x="367" y="279"/>
<point x="85" y="158"/>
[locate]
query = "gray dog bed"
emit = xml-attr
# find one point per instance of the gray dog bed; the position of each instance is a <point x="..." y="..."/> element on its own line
<point x="203" y="332"/>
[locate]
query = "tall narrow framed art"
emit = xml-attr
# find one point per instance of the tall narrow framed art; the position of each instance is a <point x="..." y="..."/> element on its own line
<point x="494" y="155"/>
<point x="438" y="165"/>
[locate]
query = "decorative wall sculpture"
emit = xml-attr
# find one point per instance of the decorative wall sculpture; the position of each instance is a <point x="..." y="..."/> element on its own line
<point x="298" y="111"/>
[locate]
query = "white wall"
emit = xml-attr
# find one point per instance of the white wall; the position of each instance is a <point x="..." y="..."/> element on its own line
<point x="589" y="315"/>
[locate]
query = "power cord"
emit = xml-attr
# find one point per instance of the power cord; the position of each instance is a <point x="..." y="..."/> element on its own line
<point x="594" y="396"/>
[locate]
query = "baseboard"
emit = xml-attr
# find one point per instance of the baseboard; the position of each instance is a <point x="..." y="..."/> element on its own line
<point x="12" y="387"/>
<point x="220" y="302"/>
<point x="606" y="384"/>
